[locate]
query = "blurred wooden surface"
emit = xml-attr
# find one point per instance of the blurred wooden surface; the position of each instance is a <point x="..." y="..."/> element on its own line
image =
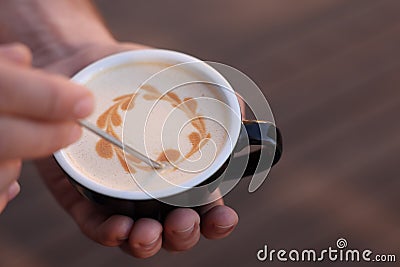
<point x="330" y="70"/>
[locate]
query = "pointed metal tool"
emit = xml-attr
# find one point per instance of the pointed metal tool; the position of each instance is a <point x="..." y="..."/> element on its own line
<point x="128" y="149"/>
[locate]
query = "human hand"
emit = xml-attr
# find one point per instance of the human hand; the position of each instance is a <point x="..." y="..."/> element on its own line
<point x="65" y="36"/>
<point x="37" y="113"/>
<point x="142" y="238"/>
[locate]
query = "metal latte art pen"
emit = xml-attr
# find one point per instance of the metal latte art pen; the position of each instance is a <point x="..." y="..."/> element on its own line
<point x="119" y="144"/>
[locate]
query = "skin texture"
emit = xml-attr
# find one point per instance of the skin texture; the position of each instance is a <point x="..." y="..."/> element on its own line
<point x="63" y="46"/>
<point x="37" y="114"/>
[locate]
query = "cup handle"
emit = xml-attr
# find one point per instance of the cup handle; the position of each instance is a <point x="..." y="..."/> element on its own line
<point x="265" y="135"/>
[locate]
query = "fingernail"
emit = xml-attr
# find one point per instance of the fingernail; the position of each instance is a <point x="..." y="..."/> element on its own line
<point x="223" y="229"/>
<point x="13" y="191"/>
<point x="185" y="232"/>
<point x="75" y="134"/>
<point x="150" y="244"/>
<point x="84" y="107"/>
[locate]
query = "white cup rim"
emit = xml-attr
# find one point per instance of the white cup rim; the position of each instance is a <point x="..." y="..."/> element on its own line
<point x="154" y="54"/>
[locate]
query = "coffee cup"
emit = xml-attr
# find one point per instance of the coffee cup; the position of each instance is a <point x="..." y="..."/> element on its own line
<point x="175" y="109"/>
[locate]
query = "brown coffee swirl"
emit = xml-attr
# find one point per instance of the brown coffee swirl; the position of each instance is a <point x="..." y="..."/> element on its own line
<point x="111" y="118"/>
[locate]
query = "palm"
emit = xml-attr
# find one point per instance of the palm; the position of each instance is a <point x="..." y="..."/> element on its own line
<point x="144" y="237"/>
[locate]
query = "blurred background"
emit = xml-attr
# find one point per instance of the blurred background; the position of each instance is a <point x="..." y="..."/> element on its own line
<point x="330" y="70"/>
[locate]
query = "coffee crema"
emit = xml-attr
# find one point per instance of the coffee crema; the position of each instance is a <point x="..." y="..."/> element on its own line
<point x="111" y="118"/>
<point x="170" y="118"/>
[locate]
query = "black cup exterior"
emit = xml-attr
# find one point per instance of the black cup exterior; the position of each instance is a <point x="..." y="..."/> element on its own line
<point x="135" y="209"/>
<point x="152" y="208"/>
<point x="263" y="134"/>
<point x="267" y="138"/>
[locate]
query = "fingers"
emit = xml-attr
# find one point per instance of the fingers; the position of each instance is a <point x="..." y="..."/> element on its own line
<point x="16" y="53"/>
<point x="218" y="222"/>
<point x="13" y="190"/>
<point x="145" y="238"/>
<point x="181" y="229"/>
<point x="29" y="100"/>
<point x="28" y="139"/>
<point x="141" y="239"/>
<point x="9" y="187"/>
<point x="93" y="221"/>
<point x="108" y="231"/>
<point x="9" y="173"/>
<point x="39" y="95"/>
<point x="113" y="231"/>
<point x="8" y="195"/>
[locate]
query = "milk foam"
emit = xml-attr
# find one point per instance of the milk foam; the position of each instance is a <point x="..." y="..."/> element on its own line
<point x="152" y="126"/>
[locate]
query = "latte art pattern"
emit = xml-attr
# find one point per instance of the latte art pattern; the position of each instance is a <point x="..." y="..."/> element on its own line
<point x="107" y="121"/>
<point x="111" y="118"/>
<point x="161" y="111"/>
